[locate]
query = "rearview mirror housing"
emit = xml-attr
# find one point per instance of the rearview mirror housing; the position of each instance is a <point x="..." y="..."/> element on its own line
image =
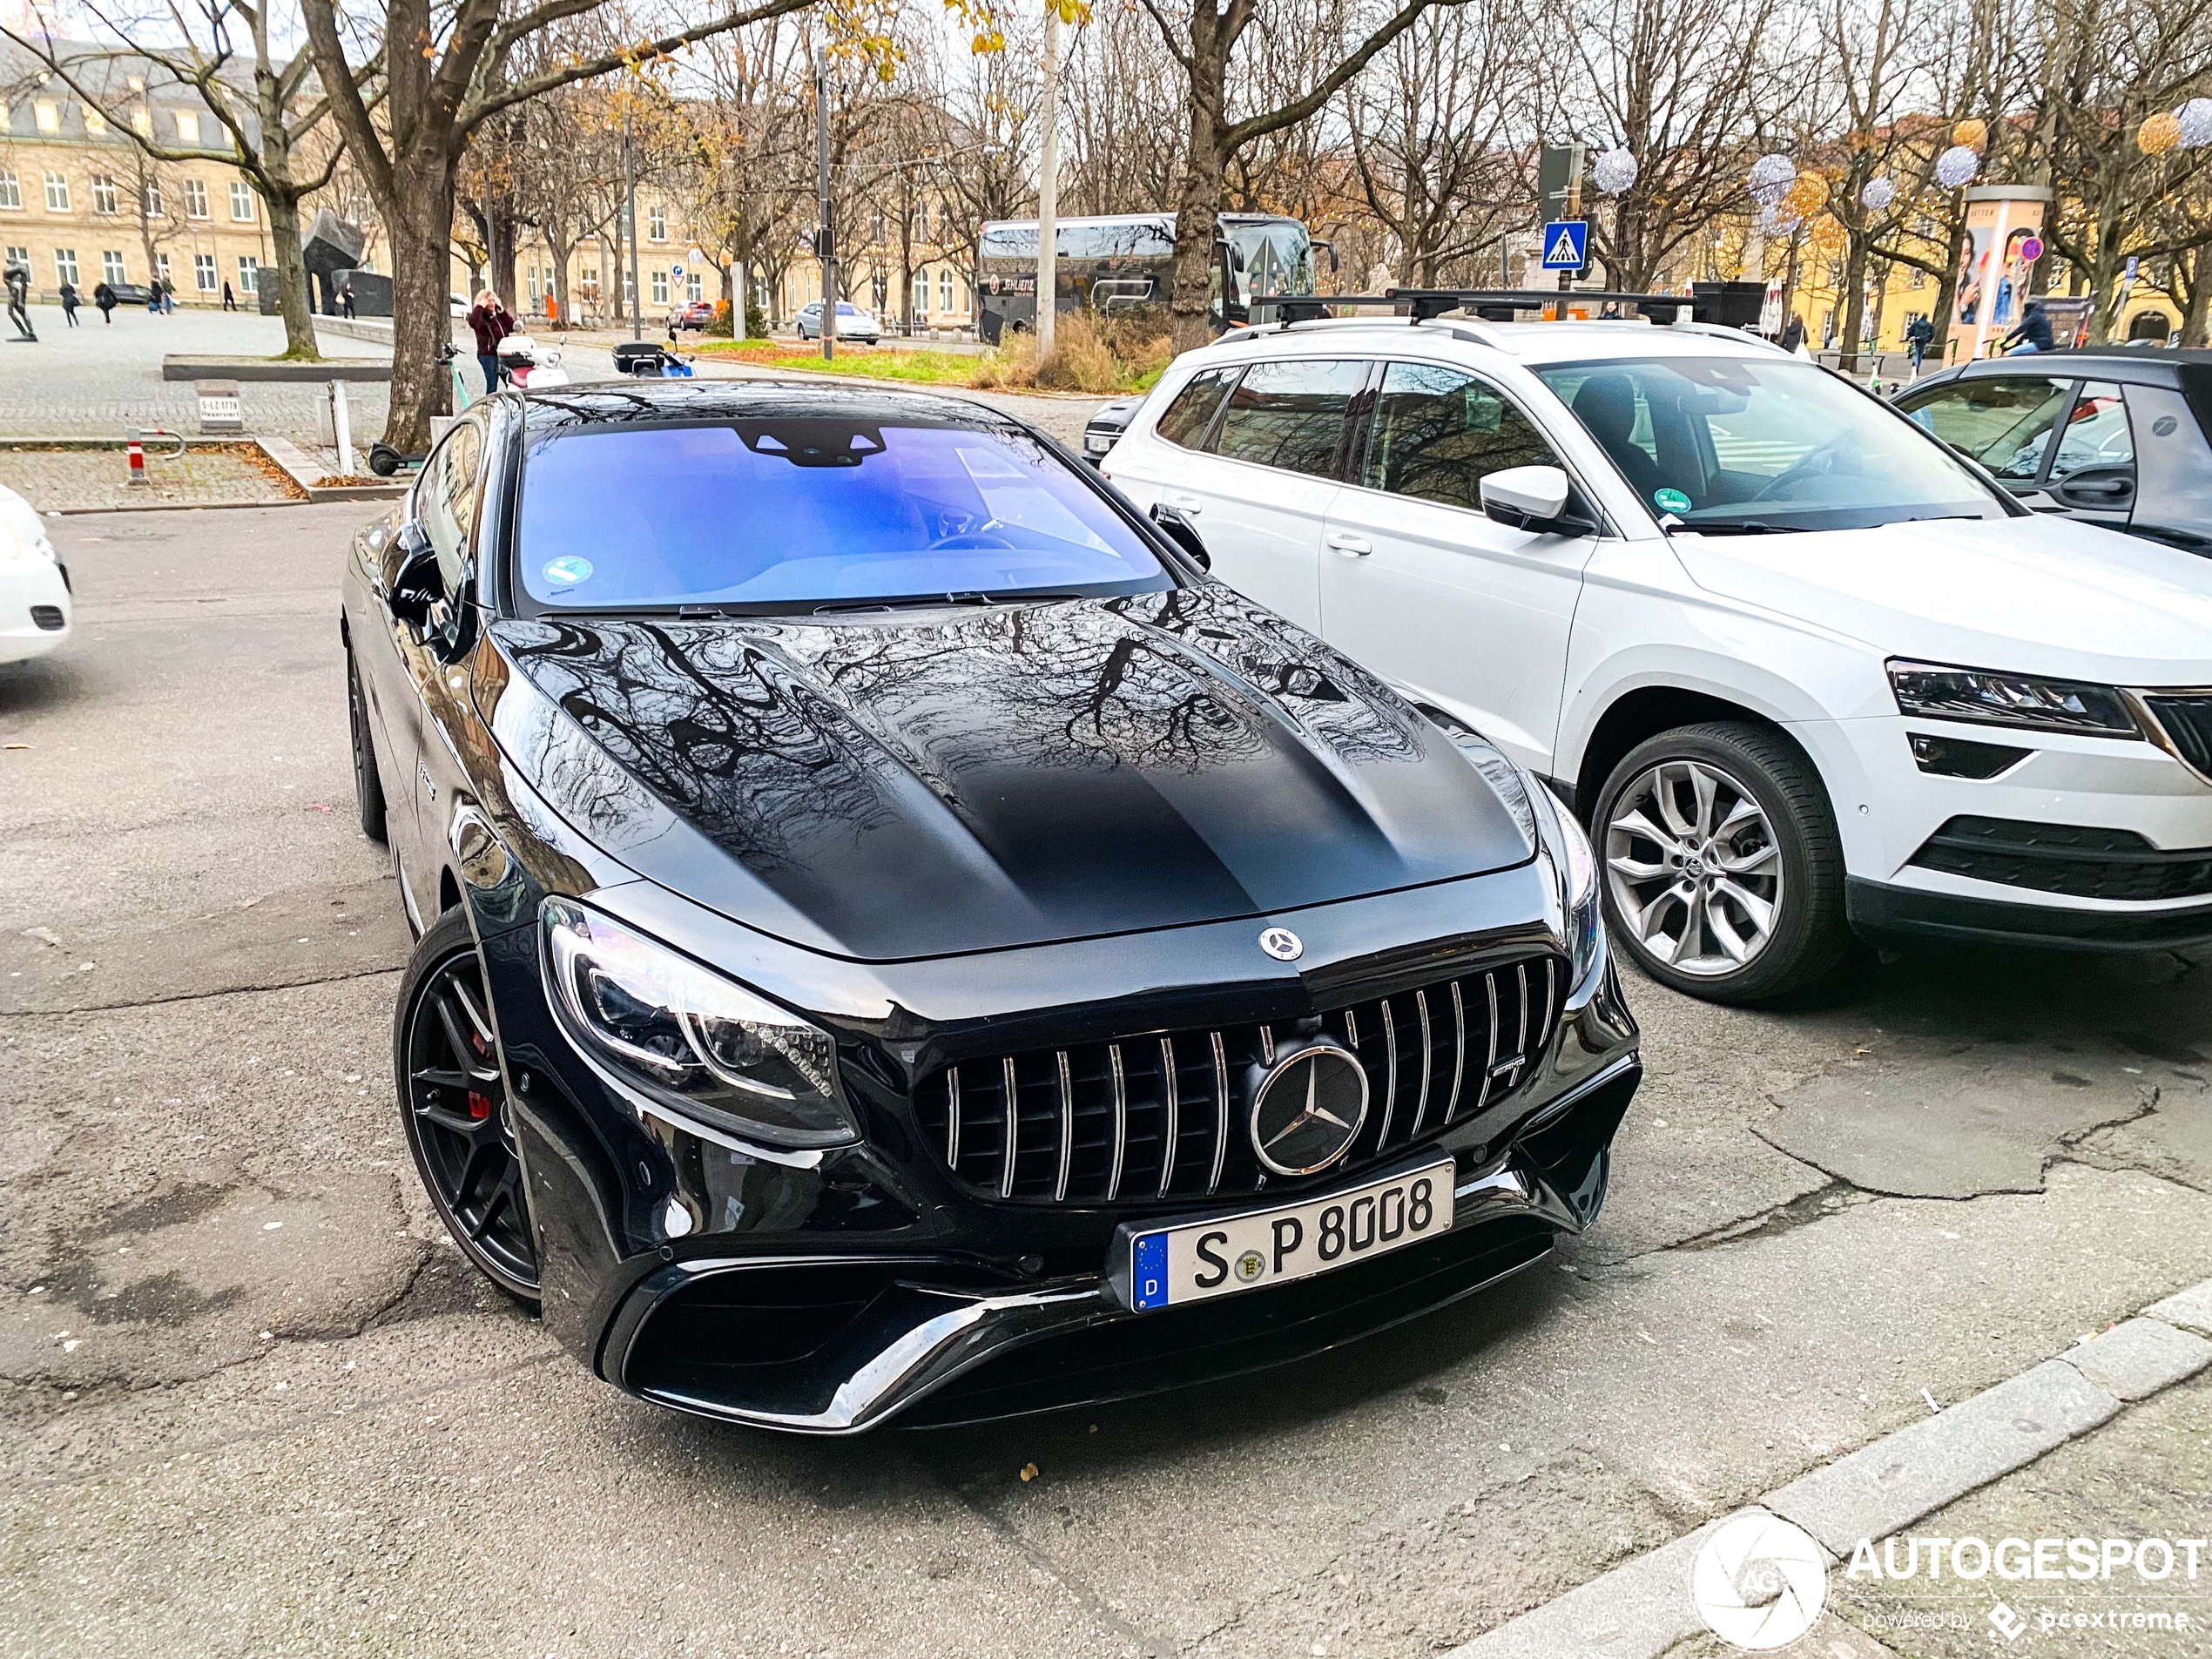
<point x="1540" y="499"/>
<point x="1182" y="533"/>
<point x="417" y="584"/>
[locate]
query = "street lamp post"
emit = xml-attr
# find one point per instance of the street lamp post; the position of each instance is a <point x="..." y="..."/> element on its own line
<point x="630" y="196"/>
<point x="1049" y="187"/>
<point x="825" y="241"/>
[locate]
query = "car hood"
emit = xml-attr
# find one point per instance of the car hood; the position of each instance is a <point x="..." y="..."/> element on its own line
<point x="915" y="784"/>
<point x="2041" y="595"/>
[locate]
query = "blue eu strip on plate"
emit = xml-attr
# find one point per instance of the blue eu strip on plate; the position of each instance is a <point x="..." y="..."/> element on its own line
<point x="1147" y="1286"/>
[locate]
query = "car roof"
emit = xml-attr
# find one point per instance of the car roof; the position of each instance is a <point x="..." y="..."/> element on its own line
<point x="1531" y="342"/>
<point x="617" y="402"/>
<point x="2157" y="363"/>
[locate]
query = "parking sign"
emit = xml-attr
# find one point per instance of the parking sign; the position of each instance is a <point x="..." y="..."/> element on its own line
<point x="1566" y="244"/>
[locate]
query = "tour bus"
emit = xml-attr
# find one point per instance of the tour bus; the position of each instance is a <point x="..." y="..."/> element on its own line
<point x="1117" y="261"/>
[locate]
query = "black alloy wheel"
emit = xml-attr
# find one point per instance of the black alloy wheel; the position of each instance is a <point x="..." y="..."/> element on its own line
<point x="454" y="1101"/>
<point x="368" y="786"/>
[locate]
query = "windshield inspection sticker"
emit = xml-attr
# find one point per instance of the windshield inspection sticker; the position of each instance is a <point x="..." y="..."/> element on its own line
<point x="568" y="570"/>
<point x="1672" y="500"/>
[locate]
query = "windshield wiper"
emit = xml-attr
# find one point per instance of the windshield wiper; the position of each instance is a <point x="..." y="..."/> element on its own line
<point x="934" y="601"/>
<point x="1739" y="527"/>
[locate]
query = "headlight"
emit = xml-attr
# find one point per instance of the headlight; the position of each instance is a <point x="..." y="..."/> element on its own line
<point x="2017" y="700"/>
<point x="1583" y="925"/>
<point x="684" y="1035"/>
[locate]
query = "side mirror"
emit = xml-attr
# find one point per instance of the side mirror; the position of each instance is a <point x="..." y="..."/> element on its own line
<point x="417" y="584"/>
<point x="1533" y="498"/>
<point x="1182" y="533"/>
<point x="1332" y="247"/>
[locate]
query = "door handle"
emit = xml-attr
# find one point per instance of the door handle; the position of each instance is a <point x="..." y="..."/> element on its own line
<point x="1357" y="546"/>
<point x="1187" y="503"/>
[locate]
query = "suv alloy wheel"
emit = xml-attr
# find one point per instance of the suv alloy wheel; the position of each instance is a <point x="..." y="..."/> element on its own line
<point x="1723" y="871"/>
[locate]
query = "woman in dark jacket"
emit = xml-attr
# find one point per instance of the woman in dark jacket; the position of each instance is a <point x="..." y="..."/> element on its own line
<point x="491" y="322"/>
<point x="103" y="297"/>
<point x="68" y="304"/>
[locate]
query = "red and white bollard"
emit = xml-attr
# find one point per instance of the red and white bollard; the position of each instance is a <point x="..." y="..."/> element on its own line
<point x="136" y="453"/>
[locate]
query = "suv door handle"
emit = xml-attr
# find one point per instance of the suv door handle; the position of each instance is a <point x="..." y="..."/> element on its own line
<point x="1357" y="546"/>
<point x="1187" y="503"/>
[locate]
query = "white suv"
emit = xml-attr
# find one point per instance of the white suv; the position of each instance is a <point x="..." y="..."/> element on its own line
<point x="1803" y="671"/>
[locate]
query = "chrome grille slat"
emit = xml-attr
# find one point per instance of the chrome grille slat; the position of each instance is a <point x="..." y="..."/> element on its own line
<point x="1173" y="1129"/>
<point x="1092" y="1129"/>
<point x="1066" y="1126"/>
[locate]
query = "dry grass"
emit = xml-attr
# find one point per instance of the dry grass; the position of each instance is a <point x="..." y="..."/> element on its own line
<point x="1123" y="353"/>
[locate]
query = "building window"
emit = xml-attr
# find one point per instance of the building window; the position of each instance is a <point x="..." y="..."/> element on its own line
<point x="187" y="126"/>
<point x="203" y="273"/>
<point x="530" y="273"/>
<point x="95" y="122"/>
<point x="10" y="191"/>
<point x="945" y="289"/>
<point x="921" y="294"/>
<point x="65" y="266"/>
<point x="111" y="268"/>
<point x="660" y="287"/>
<point x="142" y="122"/>
<point x="195" y="200"/>
<point x="103" y="193"/>
<point x="657" y="224"/>
<point x="19" y="256"/>
<point x="153" y="198"/>
<point x="49" y="116"/>
<point x="695" y="287"/>
<point x="57" y="193"/>
<point x="161" y="266"/>
<point x="249" y="274"/>
<point x="241" y="201"/>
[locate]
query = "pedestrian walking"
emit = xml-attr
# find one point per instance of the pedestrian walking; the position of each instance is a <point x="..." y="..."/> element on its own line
<point x="168" y="295"/>
<point x="1919" y="334"/>
<point x="491" y="322"/>
<point x="346" y="299"/>
<point x="68" y="304"/>
<point x="103" y="297"/>
<point x="17" y="277"/>
<point x="1793" y="337"/>
<point x="153" y="299"/>
<point x="230" y="300"/>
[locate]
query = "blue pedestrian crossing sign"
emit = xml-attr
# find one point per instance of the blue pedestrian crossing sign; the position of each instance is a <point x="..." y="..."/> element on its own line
<point x="1566" y="243"/>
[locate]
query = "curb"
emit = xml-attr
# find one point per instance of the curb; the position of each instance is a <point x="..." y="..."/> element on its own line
<point x="303" y="472"/>
<point x="1640" y="1608"/>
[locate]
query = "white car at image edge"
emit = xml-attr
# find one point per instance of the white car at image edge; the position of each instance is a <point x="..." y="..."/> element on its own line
<point x="1803" y="672"/>
<point x="34" y="584"/>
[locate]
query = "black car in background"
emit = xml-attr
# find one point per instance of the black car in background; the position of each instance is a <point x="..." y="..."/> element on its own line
<point x="896" y="936"/>
<point x="2113" y="435"/>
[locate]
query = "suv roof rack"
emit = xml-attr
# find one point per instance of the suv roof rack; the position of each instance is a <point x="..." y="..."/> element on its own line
<point x="1710" y="304"/>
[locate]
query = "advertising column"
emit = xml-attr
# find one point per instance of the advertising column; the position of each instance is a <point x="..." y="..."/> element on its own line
<point x="2004" y="235"/>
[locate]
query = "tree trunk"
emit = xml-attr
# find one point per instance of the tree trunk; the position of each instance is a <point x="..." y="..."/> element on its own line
<point x="1197" y="211"/>
<point x="292" y="278"/>
<point x="422" y="318"/>
<point x="1947" y="299"/>
<point x="1854" y="298"/>
<point x="2199" y="272"/>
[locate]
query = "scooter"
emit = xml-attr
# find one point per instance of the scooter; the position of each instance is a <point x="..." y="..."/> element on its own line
<point x="529" y="366"/>
<point x="383" y="460"/>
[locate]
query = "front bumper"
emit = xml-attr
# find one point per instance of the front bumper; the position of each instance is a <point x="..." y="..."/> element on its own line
<point x="35" y="611"/>
<point x="1882" y="914"/>
<point x="924" y="1339"/>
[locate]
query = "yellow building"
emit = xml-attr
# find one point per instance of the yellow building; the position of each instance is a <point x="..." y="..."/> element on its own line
<point x="80" y="203"/>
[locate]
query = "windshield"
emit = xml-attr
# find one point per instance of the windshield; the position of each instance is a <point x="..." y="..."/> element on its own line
<point x="1725" y="445"/>
<point x="787" y="513"/>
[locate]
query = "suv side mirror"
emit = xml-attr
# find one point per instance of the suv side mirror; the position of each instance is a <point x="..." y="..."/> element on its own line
<point x="1537" y="499"/>
<point x="417" y="584"/>
<point x="1182" y="533"/>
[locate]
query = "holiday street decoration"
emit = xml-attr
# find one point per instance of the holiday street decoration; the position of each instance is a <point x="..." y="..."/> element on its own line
<point x="1956" y="165"/>
<point x="1770" y="176"/>
<point x="1878" y="194"/>
<point x="1971" y="134"/>
<point x="2196" y="117"/>
<point x="1806" y="195"/>
<point x="2160" y="134"/>
<point x="1614" y="171"/>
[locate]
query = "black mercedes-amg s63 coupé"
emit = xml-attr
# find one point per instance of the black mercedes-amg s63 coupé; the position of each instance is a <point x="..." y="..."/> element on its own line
<point x="897" y="938"/>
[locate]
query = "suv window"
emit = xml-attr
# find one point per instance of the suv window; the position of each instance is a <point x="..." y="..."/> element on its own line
<point x="445" y="500"/>
<point x="1185" y="421"/>
<point x="2095" y="435"/>
<point x="1439" y="431"/>
<point x="2004" y="422"/>
<point x="1289" y="414"/>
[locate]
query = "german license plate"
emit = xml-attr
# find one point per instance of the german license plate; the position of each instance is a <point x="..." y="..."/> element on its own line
<point x="1173" y="1265"/>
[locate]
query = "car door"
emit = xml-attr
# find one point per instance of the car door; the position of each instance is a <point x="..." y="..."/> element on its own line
<point x="2092" y="468"/>
<point x="445" y="505"/>
<point x="2004" y="421"/>
<point x="1263" y="484"/>
<point x="1418" y="584"/>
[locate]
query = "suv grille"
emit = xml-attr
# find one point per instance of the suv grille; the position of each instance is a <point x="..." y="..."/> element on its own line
<point x="2066" y="858"/>
<point x="1162" y="1115"/>
<point x="2187" y="725"/>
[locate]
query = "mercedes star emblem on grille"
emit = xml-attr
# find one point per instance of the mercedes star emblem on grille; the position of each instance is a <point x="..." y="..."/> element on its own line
<point x="1307" y="1111"/>
<point x="1282" y="944"/>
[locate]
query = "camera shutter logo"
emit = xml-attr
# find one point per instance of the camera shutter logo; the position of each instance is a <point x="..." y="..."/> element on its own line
<point x="1759" y="1582"/>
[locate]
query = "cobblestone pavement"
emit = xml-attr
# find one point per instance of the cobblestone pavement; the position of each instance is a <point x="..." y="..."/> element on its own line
<point x="79" y="480"/>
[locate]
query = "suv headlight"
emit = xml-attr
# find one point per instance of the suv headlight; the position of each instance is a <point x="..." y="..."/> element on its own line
<point x="684" y="1035"/>
<point x="2024" y="701"/>
<point x="1582" y="924"/>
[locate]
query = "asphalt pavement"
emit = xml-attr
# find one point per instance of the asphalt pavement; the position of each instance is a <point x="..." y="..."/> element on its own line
<point x="254" y="1403"/>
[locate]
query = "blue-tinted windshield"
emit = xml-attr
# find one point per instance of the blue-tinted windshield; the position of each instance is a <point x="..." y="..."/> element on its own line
<point x="783" y="513"/>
